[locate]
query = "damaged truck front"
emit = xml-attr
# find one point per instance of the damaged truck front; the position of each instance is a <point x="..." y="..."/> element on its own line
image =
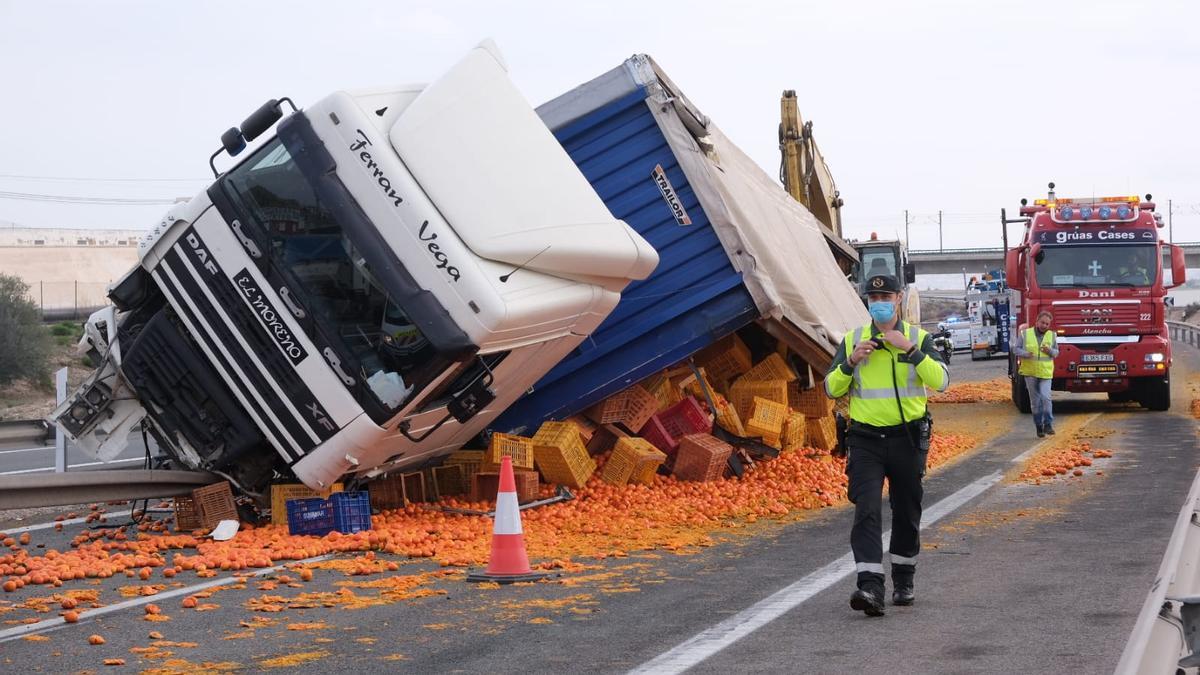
<point x="369" y="287"/>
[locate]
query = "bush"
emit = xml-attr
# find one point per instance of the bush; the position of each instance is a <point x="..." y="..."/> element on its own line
<point x="23" y="343"/>
<point x="62" y="328"/>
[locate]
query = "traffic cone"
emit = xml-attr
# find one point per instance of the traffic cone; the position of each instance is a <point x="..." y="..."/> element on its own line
<point x="508" y="562"/>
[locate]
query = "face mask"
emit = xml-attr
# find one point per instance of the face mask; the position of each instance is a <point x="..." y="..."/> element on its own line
<point x="882" y="312"/>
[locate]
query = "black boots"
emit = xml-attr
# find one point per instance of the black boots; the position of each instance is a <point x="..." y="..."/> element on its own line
<point x="902" y="591"/>
<point x="1041" y="431"/>
<point x="1049" y="429"/>
<point x="868" y="600"/>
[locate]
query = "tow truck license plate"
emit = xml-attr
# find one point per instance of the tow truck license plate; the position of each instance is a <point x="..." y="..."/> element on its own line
<point x="1093" y="358"/>
<point x="1097" y="370"/>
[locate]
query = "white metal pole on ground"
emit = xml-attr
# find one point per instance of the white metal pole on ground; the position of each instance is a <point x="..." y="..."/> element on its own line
<point x="60" y="439"/>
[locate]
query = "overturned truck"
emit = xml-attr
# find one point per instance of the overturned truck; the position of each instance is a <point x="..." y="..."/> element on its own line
<point x="395" y="273"/>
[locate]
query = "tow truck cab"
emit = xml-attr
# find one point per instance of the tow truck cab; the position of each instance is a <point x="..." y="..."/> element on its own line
<point x="1097" y="265"/>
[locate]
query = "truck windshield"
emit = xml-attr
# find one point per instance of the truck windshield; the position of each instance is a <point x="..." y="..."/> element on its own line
<point x="350" y="308"/>
<point x="1106" y="265"/>
<point x="877" y="260"/>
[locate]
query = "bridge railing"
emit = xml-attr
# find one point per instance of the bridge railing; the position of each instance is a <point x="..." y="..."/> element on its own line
<point x="1184" y="332"/>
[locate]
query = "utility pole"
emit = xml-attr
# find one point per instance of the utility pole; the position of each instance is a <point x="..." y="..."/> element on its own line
<point x="907" y="242"/>
<point x="1170" y="222"/>
<point x="940" y="230"/>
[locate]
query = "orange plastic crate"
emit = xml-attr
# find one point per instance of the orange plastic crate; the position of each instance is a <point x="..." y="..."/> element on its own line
<point x="187" y="518"/>
<point x="795" y="431"/>
<point x="560" y="455"/>
<point x="517" y="447"/>
<point x="631" y="407"/>
<point x="767" y="421"/>
<point x="701" y="457"/>
<point x="449" y="480"/>
<point x="587" y="428"/>
<point x="725" y="359"/>
<point x="812" y="402"/>
<point x="744" y="391"/>
<point x="486" y="484"/>
<point x="822" y="432"/>
<point x="774" y="367"/>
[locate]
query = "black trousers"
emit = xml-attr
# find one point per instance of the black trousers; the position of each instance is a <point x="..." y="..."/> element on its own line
<point x="871" y="459"/>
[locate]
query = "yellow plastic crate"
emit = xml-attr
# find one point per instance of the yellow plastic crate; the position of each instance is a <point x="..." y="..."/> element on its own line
<point x="281" y="493"/>
<point x="811" y="402"/>
<point x="560" y="455"/>
<point x="470" y="460"/>
<point x="822" y="432"/>
<point x="795" y="431"/>
<point x="634" y="460"/>
<point x="744" y="391"/>
<point x="774" y="367"/>
<point x="662" y="389"/>
<point x="767" y="421"/>
<point x="727" y="416"/>
<point x="517" y="447"/>
<point x="725" y="359"/>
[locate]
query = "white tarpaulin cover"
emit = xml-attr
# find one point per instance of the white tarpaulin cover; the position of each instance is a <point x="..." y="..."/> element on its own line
<point x="777" y="244"/>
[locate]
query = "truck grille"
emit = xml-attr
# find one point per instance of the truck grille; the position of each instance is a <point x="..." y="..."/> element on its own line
<point x="1075" y="314"/>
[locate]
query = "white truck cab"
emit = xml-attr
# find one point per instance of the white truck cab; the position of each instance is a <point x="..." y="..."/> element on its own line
<point x="364" y="291"/>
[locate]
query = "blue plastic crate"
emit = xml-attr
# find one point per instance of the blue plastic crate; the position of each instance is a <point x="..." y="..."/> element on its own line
<point x="351" y="511"/>
<point x="312" y="515"/>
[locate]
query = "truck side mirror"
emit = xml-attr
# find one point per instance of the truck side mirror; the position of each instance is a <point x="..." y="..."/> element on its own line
<point x="1178" y="266"/>
<point x="910" y="273"/>
<point x="1013" y="272"/>
<point x="260" y="120"/>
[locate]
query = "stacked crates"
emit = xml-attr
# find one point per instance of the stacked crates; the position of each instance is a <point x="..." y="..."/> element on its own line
<point x="634" y="460"/>
<point x="701" y="457"/>
<point x="560" y="454"/>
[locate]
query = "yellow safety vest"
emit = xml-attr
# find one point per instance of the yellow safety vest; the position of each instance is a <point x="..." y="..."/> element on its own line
<point x="872" y="387"/>
<point x="1039" y="365"/>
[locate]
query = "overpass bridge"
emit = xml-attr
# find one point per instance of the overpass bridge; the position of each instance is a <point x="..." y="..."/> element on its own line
<point x="953" y="260"/>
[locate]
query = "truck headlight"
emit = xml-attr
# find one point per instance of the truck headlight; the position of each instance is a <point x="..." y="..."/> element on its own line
<point x="1156" y="357"/>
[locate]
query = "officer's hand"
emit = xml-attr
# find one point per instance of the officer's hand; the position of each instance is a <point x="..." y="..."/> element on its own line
<point x="896" y="339"/>
<point x="1045" y="349"/>
<point x="861" y="352"/>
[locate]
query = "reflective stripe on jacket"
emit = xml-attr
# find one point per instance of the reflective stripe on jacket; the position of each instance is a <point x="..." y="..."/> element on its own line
<point x="874" y="384"/>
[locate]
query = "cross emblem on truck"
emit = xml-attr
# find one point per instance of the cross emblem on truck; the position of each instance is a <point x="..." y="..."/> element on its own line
<point x="1095" y="267"/>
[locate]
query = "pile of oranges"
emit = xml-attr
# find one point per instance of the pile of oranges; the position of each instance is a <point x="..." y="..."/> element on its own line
<point x="998" y="390"/>
<point x="603" y="520"/>
<point x="1061" y="461"/>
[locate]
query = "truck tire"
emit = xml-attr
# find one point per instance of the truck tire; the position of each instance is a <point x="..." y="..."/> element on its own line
<point x="1156" y="394"/>
<point x="1020" y="395"/>
<point x="1121" y="396"/>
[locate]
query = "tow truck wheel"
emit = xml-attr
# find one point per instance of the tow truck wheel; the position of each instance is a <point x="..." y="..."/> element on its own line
<point x="1156" y="394"/>
<point x="1020" y="395"/>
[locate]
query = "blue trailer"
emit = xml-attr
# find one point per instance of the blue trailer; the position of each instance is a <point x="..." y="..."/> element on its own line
<point x="734" y="248"/>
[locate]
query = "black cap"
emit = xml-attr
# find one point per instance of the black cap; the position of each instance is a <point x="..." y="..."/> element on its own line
<point x="882" y="283"/>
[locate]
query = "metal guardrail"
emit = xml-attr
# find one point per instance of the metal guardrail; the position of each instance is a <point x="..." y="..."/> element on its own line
<point x="80" y="487"/>
<point x="1160" y="637"/>
<point x="1184" y="332"/>
<point x="1161" y="641"/>
<point x="25" y="430"/>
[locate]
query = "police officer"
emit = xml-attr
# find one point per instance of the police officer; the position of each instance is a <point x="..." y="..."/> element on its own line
<point x="885" y="366"/>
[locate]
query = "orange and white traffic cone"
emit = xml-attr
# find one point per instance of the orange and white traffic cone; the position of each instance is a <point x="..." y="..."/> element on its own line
<point x="508" y="562"/>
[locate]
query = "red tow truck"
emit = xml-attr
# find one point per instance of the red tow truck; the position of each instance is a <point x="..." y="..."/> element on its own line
<point x="1097" y="265"/>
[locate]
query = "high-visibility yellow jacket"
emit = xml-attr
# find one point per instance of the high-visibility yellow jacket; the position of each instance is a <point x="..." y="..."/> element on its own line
<point x="1033" y="362"/>
<point x="875" y="383"/>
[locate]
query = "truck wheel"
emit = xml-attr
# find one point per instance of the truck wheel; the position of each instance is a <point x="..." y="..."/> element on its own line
<point x="1156" y="394"/>
<point x="1020" y="395"/>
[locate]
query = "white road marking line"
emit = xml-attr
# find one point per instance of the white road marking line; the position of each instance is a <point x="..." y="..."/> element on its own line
<point x="718" y="637"/>
<point x="75" y="521"/>
<point x="1030" y="452"/>
<point x="44" y="447"/>
<point x="73" y="466"/>
<point x="58" y="622"/>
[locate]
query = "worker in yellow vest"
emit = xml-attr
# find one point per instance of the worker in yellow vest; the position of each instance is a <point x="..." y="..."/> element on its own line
<point x="1037" y="349"/>
<point x="885" y="367"/>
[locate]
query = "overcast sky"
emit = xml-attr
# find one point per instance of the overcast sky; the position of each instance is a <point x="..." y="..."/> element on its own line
<point x="963" y="107"/>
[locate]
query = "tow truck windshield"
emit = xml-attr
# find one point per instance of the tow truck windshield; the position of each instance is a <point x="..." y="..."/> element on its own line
<point x="1091" y="266"/>
<point x="345" y="304"/>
